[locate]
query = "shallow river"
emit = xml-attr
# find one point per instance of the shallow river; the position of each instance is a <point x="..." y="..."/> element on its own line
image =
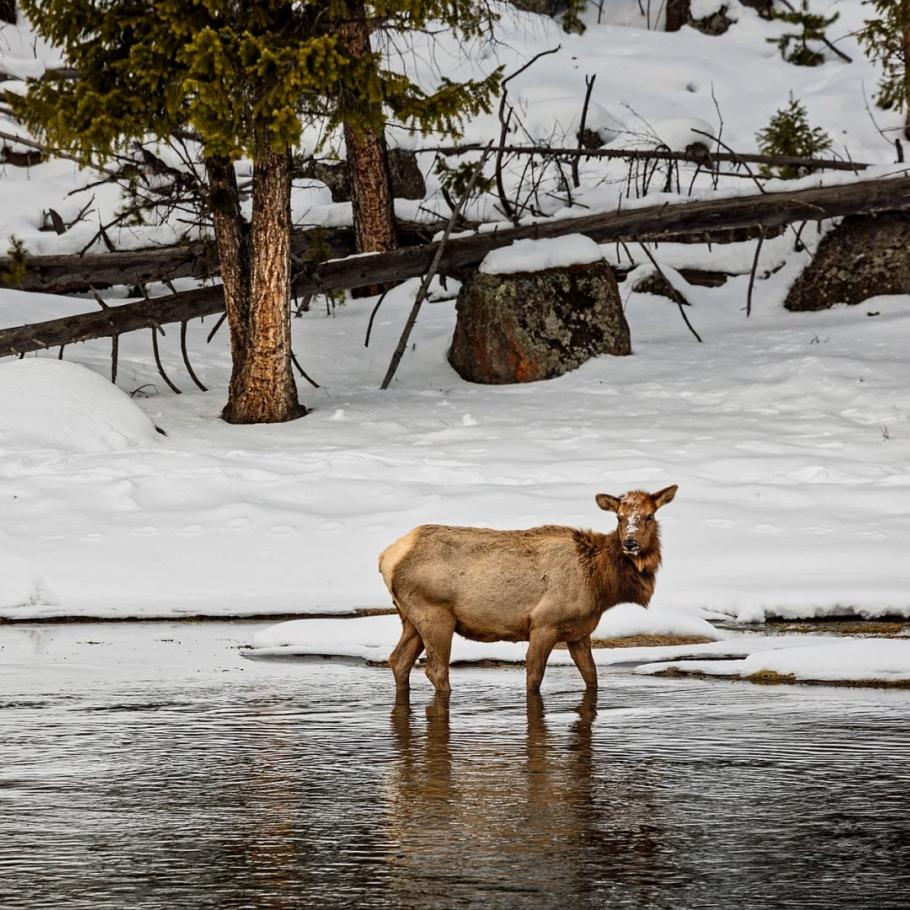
<point x="150" y="765"/>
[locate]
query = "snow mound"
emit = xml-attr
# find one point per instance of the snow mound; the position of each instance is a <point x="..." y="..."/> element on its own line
<point x="52" y="404"/>
<point x="677" y="134"/>
<point x="539" y="255"/>
<point x="845" y="661"/>
<point x="556" y="121"/>
<point x="627" y="620"/>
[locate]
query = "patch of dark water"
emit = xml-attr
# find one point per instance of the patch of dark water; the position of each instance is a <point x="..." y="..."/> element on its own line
<point x="175" y="774"/>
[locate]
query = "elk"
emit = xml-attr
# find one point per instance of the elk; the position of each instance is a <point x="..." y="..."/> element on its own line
<point x="541" y="585"/>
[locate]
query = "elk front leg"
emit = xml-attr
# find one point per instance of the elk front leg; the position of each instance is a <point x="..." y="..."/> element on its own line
<point x="584" y="660"/>
<point x="539" y="648"/>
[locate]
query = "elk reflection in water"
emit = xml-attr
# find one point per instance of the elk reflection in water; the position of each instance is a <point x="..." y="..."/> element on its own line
<point x="479" y="812"/>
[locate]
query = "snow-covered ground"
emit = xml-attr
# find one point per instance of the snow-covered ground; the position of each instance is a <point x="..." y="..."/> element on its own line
<point x="788" y="434"/>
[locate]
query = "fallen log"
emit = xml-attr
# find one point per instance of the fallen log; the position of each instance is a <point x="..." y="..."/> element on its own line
<point x="644" y="224"/>
<point x="74" y="274"/>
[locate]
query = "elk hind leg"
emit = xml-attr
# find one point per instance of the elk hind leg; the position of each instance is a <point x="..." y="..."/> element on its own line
<point x="584" y="660"/>
<point x="406" y="652"/>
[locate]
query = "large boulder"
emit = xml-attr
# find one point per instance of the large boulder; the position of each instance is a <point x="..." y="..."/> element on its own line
<point x="404" y="174"/>
<point x="521" y="326"/>
<point x="864" y="256"/>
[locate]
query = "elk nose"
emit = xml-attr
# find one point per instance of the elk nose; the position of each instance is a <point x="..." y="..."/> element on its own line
<point x="630" y="543"/>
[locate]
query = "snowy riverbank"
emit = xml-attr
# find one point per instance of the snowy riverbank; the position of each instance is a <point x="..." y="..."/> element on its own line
<point x="788" y="435"/>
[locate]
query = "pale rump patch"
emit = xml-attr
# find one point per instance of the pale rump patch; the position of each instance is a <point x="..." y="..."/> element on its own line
<point x="393" y="554"/>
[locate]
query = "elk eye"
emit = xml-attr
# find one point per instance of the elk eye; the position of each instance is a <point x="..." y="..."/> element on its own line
<point x="649" y="518"/>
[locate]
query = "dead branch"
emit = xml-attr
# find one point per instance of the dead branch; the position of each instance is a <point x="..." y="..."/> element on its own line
<point x="186" y="358"/>
<point x="589" y="87"/>
<point x="681" y="300"/>
<point x="692" y="157"/>
<point x="158" y="363"/>
<point x="431" y="274"/>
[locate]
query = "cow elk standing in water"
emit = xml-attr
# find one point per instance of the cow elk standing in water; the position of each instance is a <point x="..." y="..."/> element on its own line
<point x="543" y="585"/>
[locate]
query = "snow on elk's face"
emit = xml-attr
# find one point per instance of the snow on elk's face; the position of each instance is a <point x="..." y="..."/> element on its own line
<point x="635" y="511"/>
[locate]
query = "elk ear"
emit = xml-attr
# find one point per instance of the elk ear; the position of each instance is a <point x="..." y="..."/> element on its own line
<point x="606" y="502"/>
<point x="662" y="497"/>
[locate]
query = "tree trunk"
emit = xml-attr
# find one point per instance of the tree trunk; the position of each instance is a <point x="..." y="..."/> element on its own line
<point x="232" y="240"/>
<point x="8" y="11"/>
<point x="262" y="387"/>
<point x="905" y="22"/>
<point x="368" y="159"/>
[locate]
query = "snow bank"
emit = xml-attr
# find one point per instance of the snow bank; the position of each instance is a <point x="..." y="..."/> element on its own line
<point x="53" y="404"/>
<point x="627" y="620"/>
<point x="370" y="638"/>
<point x="844" y="661"/>
<point x="539" y="255"/>
<point x="373" y="638"/>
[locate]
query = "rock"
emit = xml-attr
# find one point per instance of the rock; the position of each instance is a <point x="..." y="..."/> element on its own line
<point x="407" y="179"/>
<point x="715" y="24"/>
<point x="707" y="20"/>
<point x="537" y="325"/>
<point x="543" y="7"/>
<point x="864" y="256"/>
<point x="590" y="139"/>
<point x="764" y="8"/>
<point x="655" y="283"/>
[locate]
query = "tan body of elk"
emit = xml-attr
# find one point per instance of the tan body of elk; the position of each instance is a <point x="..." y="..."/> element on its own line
<point x="544" y="585"/>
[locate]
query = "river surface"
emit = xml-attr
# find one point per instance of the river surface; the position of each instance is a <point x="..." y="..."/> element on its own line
<point x="149" y="765"/>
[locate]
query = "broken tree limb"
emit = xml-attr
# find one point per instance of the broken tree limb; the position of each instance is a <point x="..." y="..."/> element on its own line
<point x="760" y="211"/>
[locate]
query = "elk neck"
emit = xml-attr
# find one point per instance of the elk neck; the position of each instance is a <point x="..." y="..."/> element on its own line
<point x="614" y="576"/>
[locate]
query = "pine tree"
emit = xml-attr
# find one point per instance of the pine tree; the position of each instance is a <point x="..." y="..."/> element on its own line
<point x="789" y="133"/>
<point x="238" y="74"/>
<point x="794" y="47"/>
<point x="887" y="40"/>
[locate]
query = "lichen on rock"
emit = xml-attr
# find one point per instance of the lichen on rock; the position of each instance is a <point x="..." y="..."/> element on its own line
<point x="537" y="325"/>
<point x="864" y="256"/>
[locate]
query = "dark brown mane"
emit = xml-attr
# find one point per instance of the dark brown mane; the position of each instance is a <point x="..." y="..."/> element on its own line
<point x="613" y="577"/>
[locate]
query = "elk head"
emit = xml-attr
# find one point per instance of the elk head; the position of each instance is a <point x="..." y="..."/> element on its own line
<point x="637" y="530"/>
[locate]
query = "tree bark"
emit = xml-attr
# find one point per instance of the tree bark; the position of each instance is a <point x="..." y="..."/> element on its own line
<point x="232" y="241"/>
<point x="905" y="21"/>
<point x="368" y="158"/>
<point x="263" y="389"/>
